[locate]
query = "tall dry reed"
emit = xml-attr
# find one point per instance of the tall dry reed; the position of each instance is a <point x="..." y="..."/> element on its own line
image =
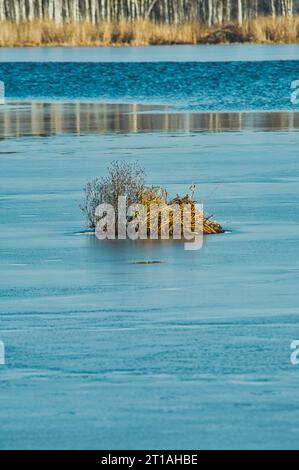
<point x="143" y="33"/>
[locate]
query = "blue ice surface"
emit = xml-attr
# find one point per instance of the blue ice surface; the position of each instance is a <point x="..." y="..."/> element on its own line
<point x="179" y="53"/>
<point x="189" y="86"/>
<point x="192" y="353"/>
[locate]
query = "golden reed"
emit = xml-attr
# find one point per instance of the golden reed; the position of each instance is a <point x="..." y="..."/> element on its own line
<point x="143" y="33"/>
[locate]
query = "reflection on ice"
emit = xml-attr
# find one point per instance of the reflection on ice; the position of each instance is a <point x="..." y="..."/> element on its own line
<point x="44" y="119"/>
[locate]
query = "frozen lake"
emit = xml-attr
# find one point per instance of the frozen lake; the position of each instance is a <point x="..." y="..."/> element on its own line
<point x="183" y="53"/>
<point x="192" y="353"/>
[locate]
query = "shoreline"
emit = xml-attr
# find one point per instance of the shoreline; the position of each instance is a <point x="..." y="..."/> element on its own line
<point x="36" y="33"/>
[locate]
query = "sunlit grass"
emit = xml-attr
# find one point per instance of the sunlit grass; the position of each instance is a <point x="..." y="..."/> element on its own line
<point x="142" y="32"/>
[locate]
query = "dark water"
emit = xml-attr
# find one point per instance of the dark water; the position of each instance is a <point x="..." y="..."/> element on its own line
<point x="212" y="86"/>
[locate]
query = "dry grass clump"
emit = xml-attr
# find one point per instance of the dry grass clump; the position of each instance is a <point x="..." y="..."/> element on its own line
<point x="145" y="32"/>
<point x="168" y="220"/>
<point x="125" y="179"/>
<point x="209" y="226"/>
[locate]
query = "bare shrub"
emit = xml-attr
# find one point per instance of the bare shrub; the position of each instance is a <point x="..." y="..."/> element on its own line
<point x="123" y="179"/>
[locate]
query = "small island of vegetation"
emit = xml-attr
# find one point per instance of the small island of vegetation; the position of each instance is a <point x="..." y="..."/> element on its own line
<point x="127" y="180"/>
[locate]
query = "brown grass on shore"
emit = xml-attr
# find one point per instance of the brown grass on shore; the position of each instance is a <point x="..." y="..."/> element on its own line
<point x="143" y="33"/>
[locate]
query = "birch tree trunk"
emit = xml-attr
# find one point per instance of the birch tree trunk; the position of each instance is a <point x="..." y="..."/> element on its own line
<point x="168" y="11"/>
<point x="240" y="12"/>
<point x="2" y="11"/>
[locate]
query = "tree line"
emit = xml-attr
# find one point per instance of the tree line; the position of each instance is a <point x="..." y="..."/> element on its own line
<point x="209" y="12"/>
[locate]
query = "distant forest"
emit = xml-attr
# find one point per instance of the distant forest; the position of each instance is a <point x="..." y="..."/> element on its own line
<point x="208" y="12"/>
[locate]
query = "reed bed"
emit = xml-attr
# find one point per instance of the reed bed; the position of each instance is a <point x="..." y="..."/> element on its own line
<point x="145" y="32"/>
<point x="159" y="197"/>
